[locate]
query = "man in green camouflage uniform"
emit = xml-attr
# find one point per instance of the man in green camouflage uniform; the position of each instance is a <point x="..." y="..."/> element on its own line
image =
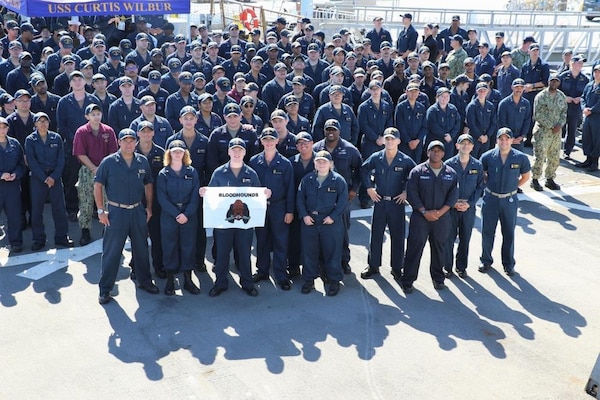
<point x="456" y="57"/>
<point x="520" y="56"/>
<point x="550" y="113"/>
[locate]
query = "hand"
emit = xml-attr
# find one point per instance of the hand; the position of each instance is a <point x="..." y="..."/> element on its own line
<point x="308" y="220"/>
<point x="576" y="100"/>
<point x="483" y="139"/>
<point x="327" y="220"/>
<point x="517" y="140"/>
<point x="557" y="129"/>
<point x="5" y="176"/>
<point x="351" y="195"/>
<point x="447" y="138"/>
<point x="289" y="217"/>
<point x="181" y="219"/>
<point x="413" y="144"/>
<point x="380" y="141"/>
<point x="400" y="198"/>
<point x="466" y="130"/>
<point x="148" y="214"/>
<point x="103" y="218"/>
<point x="268" y="193"/>
<point x="202" y="191"/>
<point x="372" y="192"/>
<point x="49" y="182"/>
<point x="586" y="112"/>
<point x="569" y="99"/>
<point x="432" y="215"/>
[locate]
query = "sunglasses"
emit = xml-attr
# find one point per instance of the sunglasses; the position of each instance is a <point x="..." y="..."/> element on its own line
<point x="248" y="105"/>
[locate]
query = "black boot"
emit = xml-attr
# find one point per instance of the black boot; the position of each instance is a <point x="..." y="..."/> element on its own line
<point x="593" y="164"/>
<point x="170" y="287"/>
<point x="585" y="164"/>
<point x="188" y="284"/>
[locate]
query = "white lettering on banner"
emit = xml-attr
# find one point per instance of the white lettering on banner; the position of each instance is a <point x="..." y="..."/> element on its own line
<point x="235" y="207"/>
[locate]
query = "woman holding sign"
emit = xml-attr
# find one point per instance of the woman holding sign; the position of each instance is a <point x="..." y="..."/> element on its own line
<point x="234" y="174"/>
<point x="177" y="192"/>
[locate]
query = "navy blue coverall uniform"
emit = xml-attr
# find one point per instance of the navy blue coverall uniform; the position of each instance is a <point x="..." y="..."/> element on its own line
<point x="125" y="186"/>
<point x="199" y="155"/>
<point x="225" y="238"/>
<point x="177" y="192"/>
<point x="279" y="177"/>
<point x="470" y="187"/>
<point x="572" y="87"/>
<point x="295" y="244"/>
<point x="500" y="203"/>
<point x="174" y="104"/>
<point x="347" y="162"/>
<point x="412" y="124"/>
<point x="481" y="120"/>
<point x="155" y="158"/>
<point x="372" y="121"/>
<point x="46" y="159"/>
<point x="12" y="162"/>
<point x="440" y="122"/>
<point x="320" y="242"/>
<point x="516" y="116"/>
<point x="218" y="145"/>
<point x="348" y="122"/>
<point x="389" y="181"/>
<point x="120" y="116"/>
<point x="426" y="190"/>
<point x="591" y="124"/>
<point x="162" y="129"/>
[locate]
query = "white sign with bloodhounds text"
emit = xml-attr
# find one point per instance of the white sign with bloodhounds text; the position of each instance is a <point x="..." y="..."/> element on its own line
<point x="235" y="207"/>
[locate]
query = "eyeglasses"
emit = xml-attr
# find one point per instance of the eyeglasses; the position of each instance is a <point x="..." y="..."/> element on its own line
<point x="303" y="143"/>
<point x="248" y="105"/>
<point x="24" y="101"/>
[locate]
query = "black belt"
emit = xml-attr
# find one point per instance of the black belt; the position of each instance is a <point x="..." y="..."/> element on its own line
<point x="124" y="206"/>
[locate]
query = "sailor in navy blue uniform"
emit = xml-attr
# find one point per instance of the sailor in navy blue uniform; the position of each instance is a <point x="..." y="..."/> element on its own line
<point x="462" y="215"/>
<point x="384" y="174"/>
<point x="505" y="169"/>
<point x="46" y="160"/>
<point x="12" y="169"/>
<point x="126" y="178"/>
<point x="275" y="172"/>
<point x="234" y="173"/>
<point x="431" y="191"/>
<point x="302" y="164"/>
<point x="347" y="161"/>
<point x="411" y="122"/>
<point x="443" y="122"/>
<point x="322" y="200"/>
<point x="177" y="188"/>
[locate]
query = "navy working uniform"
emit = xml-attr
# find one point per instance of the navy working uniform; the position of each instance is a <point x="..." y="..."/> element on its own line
<point x="572" y="87"/>
<point x="516" y="116"/>
<point x="162" y="129"/>
<point x="470" y="187"/>
<point x="348" y="122"/>
<point x="125" y="189"/>
<point x="347" y="162"/>
<point x="218" y="143"/>
<point x="500" y="203"/>
<point x="321" y="242"/>
<point x="590" y="136"/>
<point x="120" y="115"/>
<point x="441" y="122"/>
<point x="155" y="158"/>
<point x="295" y="245"/>
<point x="412" y="124"/>
<point x="46" y="159"/>
<point x="198" y="153"/>
<point x="279" y="177"/>
<point x="12" y="162"/>
<point x="225" y="238"/>
<point x="389" y="180"/>
<point x="426" y="191"/>
<point x="372" y="122"/>
<point x="481" y="120"/>
<point x="177" y="193"/>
